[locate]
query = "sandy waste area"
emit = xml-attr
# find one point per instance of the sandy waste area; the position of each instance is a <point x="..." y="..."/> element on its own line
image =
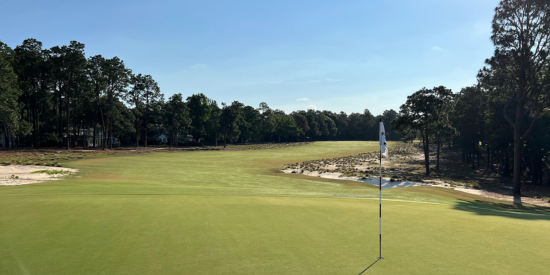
<point x="23" y="174"/>
<point x="386" y="183"/>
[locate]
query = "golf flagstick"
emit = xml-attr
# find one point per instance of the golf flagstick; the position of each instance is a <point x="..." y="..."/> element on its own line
<point x="383" y="148"/>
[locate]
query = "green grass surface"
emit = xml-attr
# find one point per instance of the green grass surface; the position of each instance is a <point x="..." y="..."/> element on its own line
<point x="232" y="212"/>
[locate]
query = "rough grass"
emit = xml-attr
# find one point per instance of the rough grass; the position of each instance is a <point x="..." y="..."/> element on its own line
<point x="57" y="157"/>
<point x="49" y="157"/>
<point x="52" y="172"/>
<point x="233" y="212"/>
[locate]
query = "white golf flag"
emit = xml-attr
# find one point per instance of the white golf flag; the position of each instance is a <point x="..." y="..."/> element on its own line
<point x="383" y="145"/>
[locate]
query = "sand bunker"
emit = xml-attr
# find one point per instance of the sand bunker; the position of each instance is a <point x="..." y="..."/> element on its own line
<point x="23" y="174"/>
<point x="386" y="182"/>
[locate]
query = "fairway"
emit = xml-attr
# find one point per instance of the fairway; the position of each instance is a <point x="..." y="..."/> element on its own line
<point x="234" y="212"/>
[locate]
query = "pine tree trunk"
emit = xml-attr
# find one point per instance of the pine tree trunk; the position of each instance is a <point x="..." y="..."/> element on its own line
<point x="506" y="165"/>
<point x="78" y="138"/>
<point x="427" y="154"/>
<point x="518" y="143"/>
<point x="145" y="138"/>
<point x="534" y="176"/>
<point x="488" y="152"/>
<point x="145" y="117"/>
<point x="59" y="122"/>
<point x="6" y="142"/>
<point x="137" y="133"/>
<point x="111" y="136"/>
<point x="438" y="146"/>
<point x="493" y="156"/>
<point x="68" y="122"/>
<point x="540" y="173"/>
<point x="10" y="140"/>
<point x="75" y="133"/>
<point x="104" y="135"/>
<point x="473" y="157"/>
<point x="36" y="124"/>
<point x="493" y="152"/>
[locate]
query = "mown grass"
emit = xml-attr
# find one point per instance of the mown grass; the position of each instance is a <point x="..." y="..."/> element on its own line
<point x="233" y="212"/>
<point x="58" y="157"/>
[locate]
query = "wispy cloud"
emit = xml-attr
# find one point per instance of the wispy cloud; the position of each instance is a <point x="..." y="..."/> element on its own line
<point x="302" y="99"/>
<point x="436" y="48"/>
<point x="334" y="80"/>
<point x="313" y="81"/>
<point x="312" y="107"/>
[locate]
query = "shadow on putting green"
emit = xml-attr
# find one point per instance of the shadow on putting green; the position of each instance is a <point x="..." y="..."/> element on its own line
<point x="515" y="211"/>
<point x="369" y="267"/>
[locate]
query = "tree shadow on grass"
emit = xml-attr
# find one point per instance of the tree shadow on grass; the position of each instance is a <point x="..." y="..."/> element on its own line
<point x="516" y="211"/>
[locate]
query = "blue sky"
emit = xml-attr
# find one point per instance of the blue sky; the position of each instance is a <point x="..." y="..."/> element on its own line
<point x="334" y="55"/>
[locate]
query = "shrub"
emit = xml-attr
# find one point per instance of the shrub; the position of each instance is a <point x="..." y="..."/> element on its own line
<point x="52" y="172"/>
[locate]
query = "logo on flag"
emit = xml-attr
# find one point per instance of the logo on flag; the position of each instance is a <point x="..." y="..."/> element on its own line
<point x="383" y="146"/>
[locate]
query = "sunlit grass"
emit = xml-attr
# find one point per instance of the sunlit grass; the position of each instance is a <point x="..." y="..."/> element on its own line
<point x="234" y="212"/>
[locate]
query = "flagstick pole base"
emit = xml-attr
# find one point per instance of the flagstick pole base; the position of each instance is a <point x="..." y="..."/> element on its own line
<point x="380" y="258"/>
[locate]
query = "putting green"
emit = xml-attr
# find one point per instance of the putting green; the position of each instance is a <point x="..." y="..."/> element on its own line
<point x="231" y="212"/>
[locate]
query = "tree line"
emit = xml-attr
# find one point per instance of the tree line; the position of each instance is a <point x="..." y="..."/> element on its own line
<point x="505" y="116"/>
<point x="59" y="98"/>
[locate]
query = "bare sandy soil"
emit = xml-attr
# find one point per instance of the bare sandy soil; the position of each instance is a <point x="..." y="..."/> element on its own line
<point x="23" y="174"/>
<point x="406" y="169"/>
<point x="387" y="183"/>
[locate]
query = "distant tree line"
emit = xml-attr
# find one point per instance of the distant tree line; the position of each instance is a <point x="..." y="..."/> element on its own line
<point x="59" y="98"/>
<point x="505" y="117"/>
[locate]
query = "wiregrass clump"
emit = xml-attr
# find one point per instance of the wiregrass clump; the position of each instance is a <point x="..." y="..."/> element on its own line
<point x="359" y="165"/>
<point x="52" y="172"/>
<point x="52" y="158"/>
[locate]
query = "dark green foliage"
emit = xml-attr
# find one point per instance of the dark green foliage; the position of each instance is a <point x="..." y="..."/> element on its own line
<point x="230" y="115"/>
<point x="177" y="120"/>
<point x="301" y="123"/>
<point x="426" y="113"/>
<point x="60" y="98"/>
<point x="285" y="126"/>
<point x="199" y="109"/>
<point x="249" y="124"/>
<point x="147" y="100"/>
<point x="517" y="74"/>
<point x="9" y="93"/>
